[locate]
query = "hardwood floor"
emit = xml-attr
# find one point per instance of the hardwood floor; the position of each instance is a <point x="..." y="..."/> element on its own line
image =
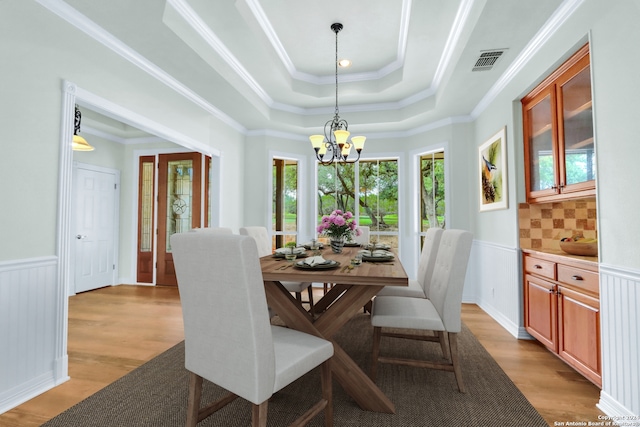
<point x="114" y="330"/>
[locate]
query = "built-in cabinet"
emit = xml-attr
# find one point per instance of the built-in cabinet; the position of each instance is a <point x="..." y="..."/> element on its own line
<point x="562" y="309"/>
<point x="558" y="134"/>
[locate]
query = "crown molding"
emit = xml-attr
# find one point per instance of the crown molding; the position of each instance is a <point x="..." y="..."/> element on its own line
<point x="559" y="17"/>
<point x="93" y="30"/>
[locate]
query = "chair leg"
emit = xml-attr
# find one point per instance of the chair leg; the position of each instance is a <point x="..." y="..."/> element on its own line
<point x="310" y="292"/>
<point x="193" y="405"/>
<point x="444" y="343"/>
<point x="259" y="414"/>
<point x="377" y="334"/>
<point x="453" y="345"/>
<point x="299" y="297"/>
<point x="327" y="392"/>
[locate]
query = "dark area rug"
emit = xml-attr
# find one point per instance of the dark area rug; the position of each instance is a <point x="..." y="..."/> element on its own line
<point x="155" y="394"/>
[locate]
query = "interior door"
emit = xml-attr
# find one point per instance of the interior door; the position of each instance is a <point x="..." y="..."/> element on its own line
<point x="179" y="205"/>
<point x="95" y="219"/>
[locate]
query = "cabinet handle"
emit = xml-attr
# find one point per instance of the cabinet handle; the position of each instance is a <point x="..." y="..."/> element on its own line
<point x="576" y="277"/>
<point x="537" y="266"/>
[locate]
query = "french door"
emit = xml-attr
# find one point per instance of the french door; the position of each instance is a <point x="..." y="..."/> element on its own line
<point x="179" y="208"/>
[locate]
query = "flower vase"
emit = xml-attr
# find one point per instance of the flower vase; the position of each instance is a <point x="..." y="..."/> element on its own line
<point x="337" y="243"/>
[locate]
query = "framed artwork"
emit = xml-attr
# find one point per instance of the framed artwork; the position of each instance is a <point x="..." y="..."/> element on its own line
<point x="492" y="159"/>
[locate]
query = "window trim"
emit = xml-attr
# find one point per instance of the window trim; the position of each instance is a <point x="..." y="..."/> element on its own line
<point x="415" y="232"/>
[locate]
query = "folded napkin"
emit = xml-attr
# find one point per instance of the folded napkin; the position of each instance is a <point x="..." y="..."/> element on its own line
<point x="296" y="250"/>
<point x="377" y="253"/>
<point x="315" y="260"/>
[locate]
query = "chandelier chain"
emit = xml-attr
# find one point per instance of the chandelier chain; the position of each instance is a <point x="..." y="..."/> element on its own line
<point x="337" y="112"/>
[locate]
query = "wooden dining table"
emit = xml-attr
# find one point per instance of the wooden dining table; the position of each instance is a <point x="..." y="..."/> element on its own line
<point x="352" y="290"/>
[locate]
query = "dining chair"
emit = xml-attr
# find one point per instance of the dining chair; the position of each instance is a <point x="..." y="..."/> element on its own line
<point x="215" y="230"/>
<point x="419" y="288"/>
<point x="440" y="312"/>
<point x="263" y="242"/>
<point x="364" y="236"/>
<point x="228" y="337"/>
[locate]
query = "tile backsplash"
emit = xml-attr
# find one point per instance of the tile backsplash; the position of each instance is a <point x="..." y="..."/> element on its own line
<point x="543" y="225"/>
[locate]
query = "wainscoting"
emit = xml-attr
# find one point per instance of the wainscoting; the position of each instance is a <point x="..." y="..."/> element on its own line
<point x="620" y="326"/>
<point x="493" y="282"/>
<point x="29" y="318"/>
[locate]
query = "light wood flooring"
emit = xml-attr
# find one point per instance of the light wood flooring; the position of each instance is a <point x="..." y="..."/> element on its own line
<point x="116" y="329"/>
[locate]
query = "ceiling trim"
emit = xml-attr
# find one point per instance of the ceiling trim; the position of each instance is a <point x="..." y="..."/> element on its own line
<point x="262" y="19"/>
<point x="559" y="17"/>
<point x="120" y="140"/>
<point x="93" y="30"/>
<point x="110" y="109"/>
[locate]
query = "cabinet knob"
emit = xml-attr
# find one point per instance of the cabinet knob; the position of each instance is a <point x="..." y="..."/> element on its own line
<point x="537" y="266"/>
<point x="576" y="277"/>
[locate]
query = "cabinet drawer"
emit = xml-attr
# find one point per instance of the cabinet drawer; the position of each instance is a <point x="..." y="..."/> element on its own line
<point x="540" y="267"/>
<point x="577" y="277"/>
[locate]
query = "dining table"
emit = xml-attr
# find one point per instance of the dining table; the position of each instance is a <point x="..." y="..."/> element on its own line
<point x="353" y="289"/>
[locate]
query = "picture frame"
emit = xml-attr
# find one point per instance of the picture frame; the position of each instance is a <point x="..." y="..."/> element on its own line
<point x="492" y="172"/>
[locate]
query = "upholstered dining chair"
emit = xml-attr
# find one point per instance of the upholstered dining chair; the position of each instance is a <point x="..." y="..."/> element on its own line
<point x="215" y="230"/>
<point x="261" y="236"/>
<point x="419" y="288"/>
<point x="228" y="337"/>
<point x="365" y="233"/>
<point x="440" y="312"/>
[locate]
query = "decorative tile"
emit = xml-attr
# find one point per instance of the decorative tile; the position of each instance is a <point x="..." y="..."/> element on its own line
<point x="541" y="226"/>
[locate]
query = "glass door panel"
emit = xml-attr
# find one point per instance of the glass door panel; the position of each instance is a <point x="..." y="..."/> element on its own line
<point x="146" y="192"/>
<point x="579" y="153"/>
<point x="541" y="157"/>
<point x="179" y="203"/>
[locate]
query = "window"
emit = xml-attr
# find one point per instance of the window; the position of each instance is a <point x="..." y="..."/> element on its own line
<point x="285" y="202"/>
<point x="432" y="192"/>
<point x="375" y="203"/>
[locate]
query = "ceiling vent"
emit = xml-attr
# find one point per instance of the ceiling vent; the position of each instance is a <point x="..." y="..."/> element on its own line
<point x="487" y="59"/>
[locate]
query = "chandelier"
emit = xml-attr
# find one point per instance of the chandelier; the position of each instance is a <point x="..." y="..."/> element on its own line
<point x="334" y="144"/>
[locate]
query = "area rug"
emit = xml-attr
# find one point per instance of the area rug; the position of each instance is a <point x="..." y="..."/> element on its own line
<point x="155" y="394"/>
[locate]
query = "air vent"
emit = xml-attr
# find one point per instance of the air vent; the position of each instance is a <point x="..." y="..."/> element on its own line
<point x="487" y="59"/>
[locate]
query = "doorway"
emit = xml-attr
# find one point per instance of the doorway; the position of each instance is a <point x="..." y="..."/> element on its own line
<point x="183" y="203"/>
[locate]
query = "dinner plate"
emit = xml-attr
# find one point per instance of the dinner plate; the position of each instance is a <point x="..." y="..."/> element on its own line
<point x="326" y="266"/>
<point x="298" y="255"/>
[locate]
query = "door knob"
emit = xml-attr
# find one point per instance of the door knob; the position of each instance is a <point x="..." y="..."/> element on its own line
<point x="80" y="236"/>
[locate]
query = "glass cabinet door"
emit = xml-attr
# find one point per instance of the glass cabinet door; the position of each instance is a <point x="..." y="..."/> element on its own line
<point x="542" y="166"/>
<point x="577" y="134"/>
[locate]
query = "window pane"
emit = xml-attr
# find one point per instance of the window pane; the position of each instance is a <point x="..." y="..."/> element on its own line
<point x="432" y="202"/>
<point x="375" y="182"/>
<point x="336" y="184"/>
<point x="285" y="201"/>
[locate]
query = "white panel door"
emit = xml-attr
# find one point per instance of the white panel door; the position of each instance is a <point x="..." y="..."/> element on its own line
<point x="95" y="221"/>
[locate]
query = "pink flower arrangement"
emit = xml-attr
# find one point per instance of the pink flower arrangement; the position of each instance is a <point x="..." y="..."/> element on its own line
<point x="339" y="224"/>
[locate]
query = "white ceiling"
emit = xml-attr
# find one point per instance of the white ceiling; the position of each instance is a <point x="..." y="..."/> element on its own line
<point x="268" y="65"/>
